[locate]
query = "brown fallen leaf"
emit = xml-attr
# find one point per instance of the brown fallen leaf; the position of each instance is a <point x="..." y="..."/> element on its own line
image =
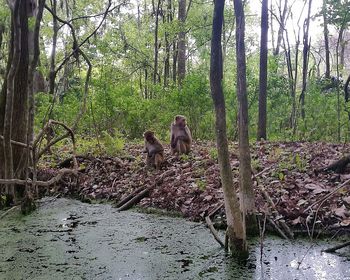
<point x="316" y="189"/>
<point x="347" y="200"/>
<point x="341" y="211"/>
<point x="296" y="221"/>
<point x="345" y="222"/>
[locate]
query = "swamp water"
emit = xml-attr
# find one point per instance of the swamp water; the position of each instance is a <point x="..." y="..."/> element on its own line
<point x="67" y="239"/>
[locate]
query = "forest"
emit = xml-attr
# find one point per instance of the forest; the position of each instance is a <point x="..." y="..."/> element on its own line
<point x="223" y="120"/>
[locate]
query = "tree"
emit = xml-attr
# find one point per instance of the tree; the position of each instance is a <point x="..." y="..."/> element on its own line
<point x="16" y="96"/>
<point x="306" y="50"/>
<point x="282" y="21"/>
<point x="245" y="173"/>
<point x="181" y="65"/>
<point x="235" y="225"/>
<point x="263" y="71"/>
<point x="326" y="39"/>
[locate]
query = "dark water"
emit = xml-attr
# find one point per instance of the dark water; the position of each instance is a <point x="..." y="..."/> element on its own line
<point x="66" y="239"/>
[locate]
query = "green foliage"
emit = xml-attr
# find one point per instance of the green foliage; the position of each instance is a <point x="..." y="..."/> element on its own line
<point x="112" y="145"/>
<point x="202" y="184"/>
<point x="213" y="153"/>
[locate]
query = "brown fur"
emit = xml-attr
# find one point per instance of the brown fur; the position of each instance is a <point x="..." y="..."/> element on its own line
<point x="181" y="138"/>
<point x="154" y="150"/>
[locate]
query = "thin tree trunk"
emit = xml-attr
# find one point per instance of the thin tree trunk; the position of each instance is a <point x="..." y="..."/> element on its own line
<point x="326" y="39"/>
<point x="245" y="173"/>
<point x="167" y="47"/>
<point x="155" y="73"/>
<point x="182" y="42"/>
<point x="281" y="28"/>
<point x="263" y="72"/>
<point x="272" y="29"/>
<point x="52" y="75"/>
<point x="306" y="50"/>
<point x="235" y="225"/>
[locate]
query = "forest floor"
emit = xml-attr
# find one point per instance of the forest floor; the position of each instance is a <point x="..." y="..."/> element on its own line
<point x="190" y="185"/>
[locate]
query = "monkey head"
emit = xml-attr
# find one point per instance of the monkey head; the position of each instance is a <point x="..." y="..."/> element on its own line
<point x="180" y="120"/>
<point x="149" y="136"/>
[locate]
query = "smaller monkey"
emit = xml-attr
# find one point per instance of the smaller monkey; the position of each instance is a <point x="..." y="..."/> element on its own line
<point x="181" y="138"/>
<point x="154" y="150"/>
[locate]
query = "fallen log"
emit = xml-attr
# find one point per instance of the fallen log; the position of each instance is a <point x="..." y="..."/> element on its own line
<point x="128" y="197"/>
<point x="335" y="248"/>
<point x="136" y="199"/>
<point x="133" y="199"/>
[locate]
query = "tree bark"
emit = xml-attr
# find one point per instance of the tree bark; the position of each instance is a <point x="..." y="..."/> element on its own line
<point x="155" y="70"/>
<point x="282" y="20"/>
<point x="326" y="39"/>
<point x="182" y="42"/>
<point x="8" y="113"/>
<point x="15" y="123"/>
<point x="235" y="225"/>
<point x="263" y="72"/>
<point x="167" y="46"/>
<point x="306" y="50"/>
<point x="245" y="174"/>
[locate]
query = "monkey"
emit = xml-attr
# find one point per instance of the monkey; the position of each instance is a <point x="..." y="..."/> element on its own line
<point x="154" y="150"/>
<point x="181" y="138"/>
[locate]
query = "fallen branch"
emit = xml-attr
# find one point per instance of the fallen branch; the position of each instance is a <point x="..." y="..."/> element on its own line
<point x="262" y="172"/>
<point x="140" y="194"/>
<point x="213" y="231"/>
<point x="213" y="212"/>
<point x="52" y="181"/>
<point x="335" y="248"/>
<point x="8" y="211"/>
<point x="129" y="197"/>
<point x="20" y="144"/>
<point x="279" y="223"/>
<point x="277" y="228"/>
<point x="328" y="195"/>
<point x="134" y="200"/>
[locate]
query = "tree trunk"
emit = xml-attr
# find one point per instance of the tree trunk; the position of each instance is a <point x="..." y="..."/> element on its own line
<point x="245" y="173"/>
<point x="282" y="19"/>
<point x="17" y="124"/>
<point x="167" y="47"/>
<point x="306" y="50"/>
<point x="235" y="225"/>
<point x="8" y="162"/>
<point x="52" y="75"/>
<point x="182" y="42"/>
<point x="326" y="39"/>
<point x="263" y="71"/>
<point x="155" y="70"/>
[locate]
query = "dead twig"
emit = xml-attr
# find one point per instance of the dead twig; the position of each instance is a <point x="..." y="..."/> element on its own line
<point x="277" y="228"/>
<point x="328" y="195"/>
